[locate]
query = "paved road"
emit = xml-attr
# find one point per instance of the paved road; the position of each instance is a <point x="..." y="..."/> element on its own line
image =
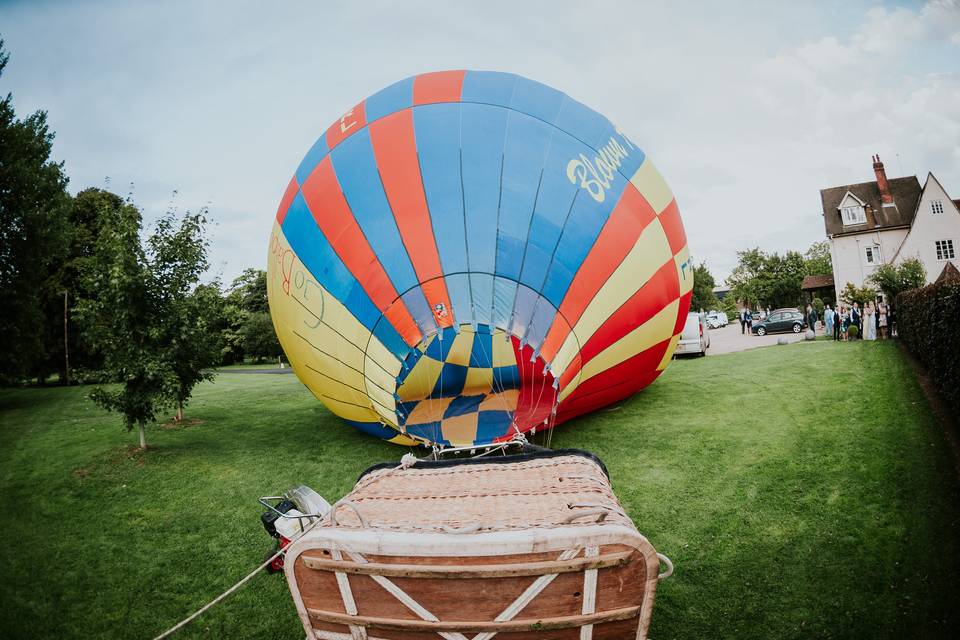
<point x="728" y="339"/>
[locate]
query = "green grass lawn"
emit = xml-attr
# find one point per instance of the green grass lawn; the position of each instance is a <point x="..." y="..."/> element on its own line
<point x="802" y="492"/>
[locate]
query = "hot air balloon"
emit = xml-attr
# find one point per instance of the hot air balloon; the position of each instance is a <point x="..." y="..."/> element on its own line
<point x="466" y="256"/>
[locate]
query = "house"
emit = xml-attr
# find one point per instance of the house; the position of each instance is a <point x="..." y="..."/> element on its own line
<point x="886" y="221"/>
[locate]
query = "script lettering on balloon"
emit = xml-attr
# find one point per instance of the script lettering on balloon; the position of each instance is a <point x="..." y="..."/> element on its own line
<point x="595" y="175"/>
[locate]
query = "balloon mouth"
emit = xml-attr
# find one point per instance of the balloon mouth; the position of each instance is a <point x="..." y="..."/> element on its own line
<point x="474" y="385"/>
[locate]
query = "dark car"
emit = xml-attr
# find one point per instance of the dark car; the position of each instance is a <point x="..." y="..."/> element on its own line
<point x="779" y="321"/>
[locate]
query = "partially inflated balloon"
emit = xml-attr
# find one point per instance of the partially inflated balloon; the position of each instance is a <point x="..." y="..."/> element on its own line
<point x="466" y="255"/>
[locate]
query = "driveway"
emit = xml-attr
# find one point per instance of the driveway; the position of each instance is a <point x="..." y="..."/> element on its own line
<point x="728" y="339"/>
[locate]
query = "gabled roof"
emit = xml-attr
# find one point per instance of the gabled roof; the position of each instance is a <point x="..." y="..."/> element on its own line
<point x="949" y="272"/>
<point x="906" y="195"/>
<point x="926" y="184"/>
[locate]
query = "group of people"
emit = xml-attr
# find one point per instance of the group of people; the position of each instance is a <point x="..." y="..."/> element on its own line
<point x="746" y="317"/>
<point x="875" y="320"/>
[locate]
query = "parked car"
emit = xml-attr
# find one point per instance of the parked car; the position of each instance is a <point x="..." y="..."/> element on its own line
<point x="716" y="319"/>
<point x="779" y="321"/>
<point x="695" y="337"/>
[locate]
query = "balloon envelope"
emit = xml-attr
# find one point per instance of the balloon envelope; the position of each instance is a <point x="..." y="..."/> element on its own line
<point x="466" y="255"/>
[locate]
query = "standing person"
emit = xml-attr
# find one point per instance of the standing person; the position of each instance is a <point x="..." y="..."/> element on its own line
<point x="743" y="320"/>
<point x="869" y="322"/>
<point x="837" y="322"/>
<point x="828" y="321"/>
<point x="892" y="321"/>
<point x="812" y="319"/>
<point x="749" y="319"/>
<point x="882" y="320"/>
<point x="856" y="318"/>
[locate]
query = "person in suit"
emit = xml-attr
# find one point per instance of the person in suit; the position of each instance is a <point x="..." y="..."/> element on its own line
<point x="811" y="318"/>
<point x="828" y="321"/>
<point x="856" y="318"/>
<point x="743" y="320"/>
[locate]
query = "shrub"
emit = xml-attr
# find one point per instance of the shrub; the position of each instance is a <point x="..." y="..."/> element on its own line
<point x="926" y="320"/>
<point x="853" y="331"/>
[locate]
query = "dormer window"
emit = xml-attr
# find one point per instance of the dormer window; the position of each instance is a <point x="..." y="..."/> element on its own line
<point x="852" y="210"/>
<point x="853" y="215"/>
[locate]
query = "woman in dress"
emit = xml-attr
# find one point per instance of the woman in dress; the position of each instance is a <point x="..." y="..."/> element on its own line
<point x="882" y="320"/>
<point x="870" y="322"/>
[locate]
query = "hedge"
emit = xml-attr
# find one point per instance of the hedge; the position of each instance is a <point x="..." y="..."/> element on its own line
<point x="927" y="323"/>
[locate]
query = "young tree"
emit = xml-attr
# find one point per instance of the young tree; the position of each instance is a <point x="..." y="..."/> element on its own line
<point x="32" y="237"/>
<point x="177" y="256"/>
<point x="150" y="318"/>
<point x="896" y="278"/>
<point x="703" y="283"/>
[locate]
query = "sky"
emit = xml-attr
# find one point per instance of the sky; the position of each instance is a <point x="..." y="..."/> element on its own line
<point x="748" y="109"/>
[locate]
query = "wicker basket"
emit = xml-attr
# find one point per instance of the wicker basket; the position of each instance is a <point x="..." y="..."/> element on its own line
<point x="526" y="546"/>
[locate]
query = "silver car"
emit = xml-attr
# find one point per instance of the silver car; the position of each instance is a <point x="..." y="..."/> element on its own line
<point x="695" y="337"/>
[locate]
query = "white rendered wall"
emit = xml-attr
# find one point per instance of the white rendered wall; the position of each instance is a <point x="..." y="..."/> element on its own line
<point x="929" y="227"/>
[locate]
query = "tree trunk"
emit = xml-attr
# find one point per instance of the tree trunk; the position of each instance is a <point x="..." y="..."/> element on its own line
<point x="179" y="411"/>
<point x="143" y="436"/>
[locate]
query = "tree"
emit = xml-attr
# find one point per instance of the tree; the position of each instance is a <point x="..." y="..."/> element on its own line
<point x="32" y="236"/>
<point x="896" y="278"/>
<point x="259" y="337"/>
<point x="703" y="284"/>
<point x="246" y="296"/>
<point x="249" y="291"/>
<point x="177" y="253"/>
<point x="763" y="279"/>
<point x="150" y="318"/>
<point x="817" y="260"/>
<point x="861" y="295"/>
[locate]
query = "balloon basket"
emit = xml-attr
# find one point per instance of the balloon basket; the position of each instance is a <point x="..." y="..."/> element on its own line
<point x="529" y="545"/>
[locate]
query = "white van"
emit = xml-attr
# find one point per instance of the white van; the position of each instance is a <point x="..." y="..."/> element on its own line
<point x="695" y="337"/>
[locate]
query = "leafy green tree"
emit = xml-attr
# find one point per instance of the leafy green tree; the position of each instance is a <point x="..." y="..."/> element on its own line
<point x="259" y="337"/>
<point x="32" y="237"/>
<point x="896" y="278"/>
<point x="861" y="295"/>
<point x="703" y="285"/>
<point x="177" y="255"/>
<point x="817" y="260"/>
<point x="150" y="319"/>
<point x="249" y="291"/>
<point x="246" y="297"/>
<point x="762" y="279"/>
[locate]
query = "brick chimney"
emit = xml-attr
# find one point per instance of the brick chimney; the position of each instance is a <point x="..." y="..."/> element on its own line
<point x="882" y="180"/>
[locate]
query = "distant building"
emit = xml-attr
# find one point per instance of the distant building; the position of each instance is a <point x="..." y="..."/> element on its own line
<point x="721" y="292"/>
<point x="886" y="221"/>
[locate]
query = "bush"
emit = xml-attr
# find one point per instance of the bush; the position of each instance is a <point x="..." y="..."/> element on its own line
<point x="853" y="331"/>
<point x="926" y="320"/>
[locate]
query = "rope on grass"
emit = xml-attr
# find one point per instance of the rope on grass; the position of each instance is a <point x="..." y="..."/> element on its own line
<point x="407" y="461"/>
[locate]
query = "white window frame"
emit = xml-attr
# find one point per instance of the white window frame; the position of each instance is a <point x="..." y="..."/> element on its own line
<point x="936" y="207"/>
<point x="872" y="254"/>
<point x="945" y="250"/>
<point x="852" y="215"/>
